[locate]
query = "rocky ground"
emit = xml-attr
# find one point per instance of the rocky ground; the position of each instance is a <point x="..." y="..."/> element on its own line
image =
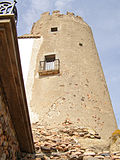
<point x="69" y="143"/>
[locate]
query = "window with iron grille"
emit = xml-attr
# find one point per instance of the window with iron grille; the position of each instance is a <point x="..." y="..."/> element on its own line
<point x="50" y="65"/>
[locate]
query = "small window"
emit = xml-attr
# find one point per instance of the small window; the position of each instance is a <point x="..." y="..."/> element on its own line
<point x="54" y="29"/>
<point x="80" y="44"/>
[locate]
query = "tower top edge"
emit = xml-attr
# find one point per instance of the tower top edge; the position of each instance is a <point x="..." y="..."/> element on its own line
<point x="58" y="14"/>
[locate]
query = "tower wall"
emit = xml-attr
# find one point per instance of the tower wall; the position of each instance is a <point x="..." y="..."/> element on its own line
<point x="79" y="92"/>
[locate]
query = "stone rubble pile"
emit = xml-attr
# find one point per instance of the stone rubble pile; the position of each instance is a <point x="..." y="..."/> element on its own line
<point x="64" y="144"/>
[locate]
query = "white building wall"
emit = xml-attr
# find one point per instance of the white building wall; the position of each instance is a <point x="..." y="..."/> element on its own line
<point x="25" y="47"/>
<point x="29" y="47"/>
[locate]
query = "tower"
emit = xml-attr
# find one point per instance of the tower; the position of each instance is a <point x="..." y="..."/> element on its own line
<point x="65" y="79"/>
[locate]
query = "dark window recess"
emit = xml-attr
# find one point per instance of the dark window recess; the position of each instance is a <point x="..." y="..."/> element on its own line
<point x="54" y="29"/>
<point x="50" y="58"/>
<point x="80" y="44"/>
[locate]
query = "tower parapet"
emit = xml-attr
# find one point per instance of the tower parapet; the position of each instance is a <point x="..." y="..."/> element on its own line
<point x="46" y="16"/>
<point x="57" y="13"/>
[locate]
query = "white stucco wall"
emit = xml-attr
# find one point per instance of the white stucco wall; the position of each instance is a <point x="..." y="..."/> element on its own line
<point x="29" y="47"/>
<point x="25" y="48"/>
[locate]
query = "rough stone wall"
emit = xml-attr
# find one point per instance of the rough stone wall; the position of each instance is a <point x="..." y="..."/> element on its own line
<point x="9" y="147"/>
<point x="79" y="93"/>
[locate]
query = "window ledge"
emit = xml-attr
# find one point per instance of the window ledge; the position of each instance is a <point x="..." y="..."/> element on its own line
<point x="48" y="72"/>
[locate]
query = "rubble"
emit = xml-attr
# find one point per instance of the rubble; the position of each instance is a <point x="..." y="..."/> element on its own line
<point x="65" y="144"/>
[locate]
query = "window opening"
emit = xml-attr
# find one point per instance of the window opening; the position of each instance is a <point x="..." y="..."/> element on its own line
<point x="49" y="62"/>
<point x="54" y="29"/>
<point x="50" y="65"/>
<point x="80" y="44"/>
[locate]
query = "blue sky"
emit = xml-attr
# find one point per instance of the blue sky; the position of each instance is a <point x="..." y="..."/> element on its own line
<point x="103" y="17"/>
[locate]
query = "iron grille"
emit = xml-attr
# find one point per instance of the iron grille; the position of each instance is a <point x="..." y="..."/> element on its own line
<point x="49" y="67"/>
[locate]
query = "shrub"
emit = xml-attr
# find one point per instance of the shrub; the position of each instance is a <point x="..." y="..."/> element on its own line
<point x="115" y="135"/>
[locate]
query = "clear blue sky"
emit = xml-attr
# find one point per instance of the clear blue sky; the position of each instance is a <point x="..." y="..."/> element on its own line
<point x="103" y="17"/>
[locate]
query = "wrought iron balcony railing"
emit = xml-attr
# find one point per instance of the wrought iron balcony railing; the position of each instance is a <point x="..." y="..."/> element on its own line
<point x="47" y="68"/>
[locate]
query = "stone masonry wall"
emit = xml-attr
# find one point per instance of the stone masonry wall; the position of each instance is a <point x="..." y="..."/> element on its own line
<point x="8" y="143"/>
<point x="79" y="93"/>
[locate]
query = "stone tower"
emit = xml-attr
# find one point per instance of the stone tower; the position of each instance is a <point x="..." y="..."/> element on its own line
<point x="66" y="77"/>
